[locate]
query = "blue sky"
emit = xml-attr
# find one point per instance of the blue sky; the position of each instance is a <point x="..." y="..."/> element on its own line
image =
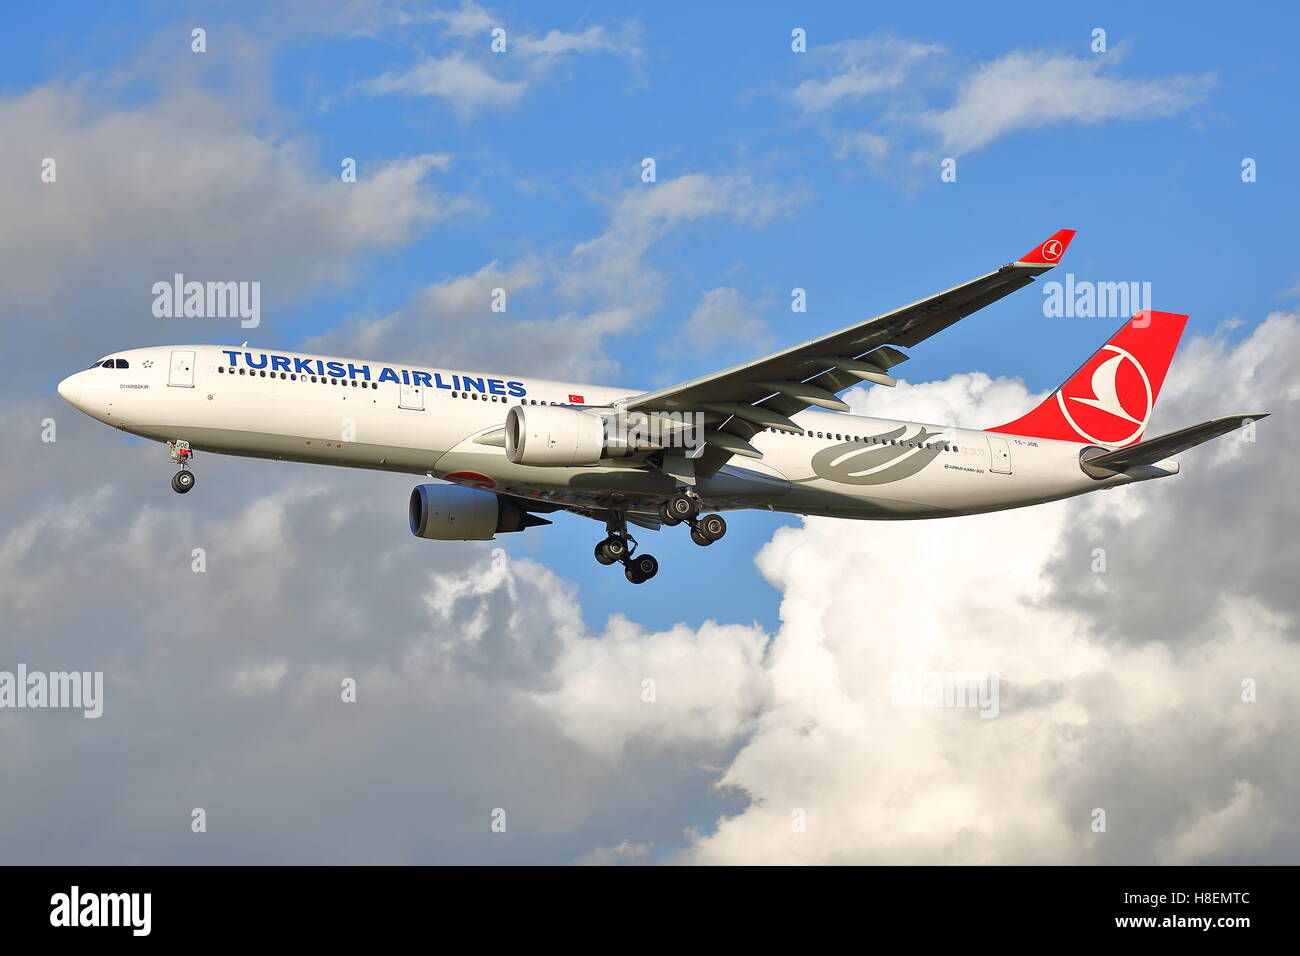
<point x="1156" y="194"/>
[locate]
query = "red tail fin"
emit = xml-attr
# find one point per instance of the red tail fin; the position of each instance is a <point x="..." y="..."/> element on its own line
<point x="1108" y="401"/>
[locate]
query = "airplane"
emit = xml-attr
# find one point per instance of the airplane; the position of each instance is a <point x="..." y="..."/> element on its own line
<point x="770" y="434"/>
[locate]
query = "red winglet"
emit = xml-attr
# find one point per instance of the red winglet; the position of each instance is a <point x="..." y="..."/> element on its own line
<point x="1049" y="252"/>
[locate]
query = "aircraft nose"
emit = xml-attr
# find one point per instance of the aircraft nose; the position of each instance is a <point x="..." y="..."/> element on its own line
<point x="70" y="389"/>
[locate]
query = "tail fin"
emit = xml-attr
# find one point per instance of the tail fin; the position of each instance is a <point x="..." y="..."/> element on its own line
<point x="1109" y="400"/>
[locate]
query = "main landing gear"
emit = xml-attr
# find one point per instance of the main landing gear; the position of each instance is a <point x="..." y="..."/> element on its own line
<point x="619" y="548"/>
<point x="183" y="480"/>
<point x="685" y="506"/>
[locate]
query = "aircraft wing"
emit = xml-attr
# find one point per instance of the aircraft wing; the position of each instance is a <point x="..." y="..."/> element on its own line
<point x="1157" y="449"/>
<point x="764" y="393"/>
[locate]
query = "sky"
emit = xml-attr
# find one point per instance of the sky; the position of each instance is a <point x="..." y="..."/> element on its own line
<point x="869" y="159"/>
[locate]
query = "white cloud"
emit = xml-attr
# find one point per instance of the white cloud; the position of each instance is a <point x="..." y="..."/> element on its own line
<point x="466" y="85"/>
<point x="681" y="687"/>
<point x="869" y="144"/>
<point x="473" y="76"/>
<point x="1151" y="727"/>
<point x="900" y="87"/>
<point x="467" y="20"/>
<point x="622" y="854"/>
<point x="1028" y="89"/>
<point x="187" y="184"/>
<point x="555" y="44"/>
<point x="862" y="68"/>
<point x="571" y="302"/>
<point x="258" y="678"/>
<point x="724" y="319"/>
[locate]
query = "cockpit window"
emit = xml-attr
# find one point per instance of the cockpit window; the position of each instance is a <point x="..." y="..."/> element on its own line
<point x="107" y="363"/>
<point x="121" y="363"/>
<point x="97" y="363"/>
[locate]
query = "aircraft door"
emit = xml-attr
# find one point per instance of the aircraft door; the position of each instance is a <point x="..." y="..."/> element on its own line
<point x="1000" y="456"/>
<point x="182" y="370"/>
<point x="412" y="396"/>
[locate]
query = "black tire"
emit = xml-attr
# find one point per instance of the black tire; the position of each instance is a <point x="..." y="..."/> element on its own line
<point x="667" y="517"/>
<point x="699" y="538"/>
<point x="632" y="575"/>
<point x="614" y="548"/>
<point x="600" y="554"/>
<point x="182" y="482"/>
<point x="712" y="527"/>
<point x="681" y="506"/>
<point x="646" y="566"/>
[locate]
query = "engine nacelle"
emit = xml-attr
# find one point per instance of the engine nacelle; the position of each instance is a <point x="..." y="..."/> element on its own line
<point x="553" y="435"/>
<point x="458" y="513"/>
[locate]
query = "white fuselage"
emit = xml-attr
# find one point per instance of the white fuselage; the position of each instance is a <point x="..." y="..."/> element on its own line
<point x="424" y="421"/>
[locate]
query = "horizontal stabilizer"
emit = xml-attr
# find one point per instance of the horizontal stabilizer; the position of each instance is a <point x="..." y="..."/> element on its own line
<point x="1157" y="449"/>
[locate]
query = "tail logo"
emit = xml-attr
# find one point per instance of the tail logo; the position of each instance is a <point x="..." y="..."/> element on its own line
<point x="1052" y="250"/>
<point x="1120" y="388"/>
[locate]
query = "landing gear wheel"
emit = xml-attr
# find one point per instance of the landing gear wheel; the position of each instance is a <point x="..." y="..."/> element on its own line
<point x="641" y="568"/>
<point x="712" y="527"/>
<point x="182" y="482"/>
<point x="667" y="517"/>
<point x="681" y="507"/>
<point x="613" y="548"/>
<point x="698" y="537"/>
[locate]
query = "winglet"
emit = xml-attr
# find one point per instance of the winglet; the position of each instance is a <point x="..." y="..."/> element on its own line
<point x="1049" y="252"/>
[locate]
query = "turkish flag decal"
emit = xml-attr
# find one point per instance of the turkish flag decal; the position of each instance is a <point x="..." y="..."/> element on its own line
<point x="577" y="399"/>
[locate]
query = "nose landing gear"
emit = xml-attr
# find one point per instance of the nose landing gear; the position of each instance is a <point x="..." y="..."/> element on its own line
<point x="183" y="480"/>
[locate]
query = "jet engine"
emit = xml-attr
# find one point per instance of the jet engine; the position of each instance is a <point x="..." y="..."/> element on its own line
<point x="553" y="435"/>
<point x="458" y="513"/>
